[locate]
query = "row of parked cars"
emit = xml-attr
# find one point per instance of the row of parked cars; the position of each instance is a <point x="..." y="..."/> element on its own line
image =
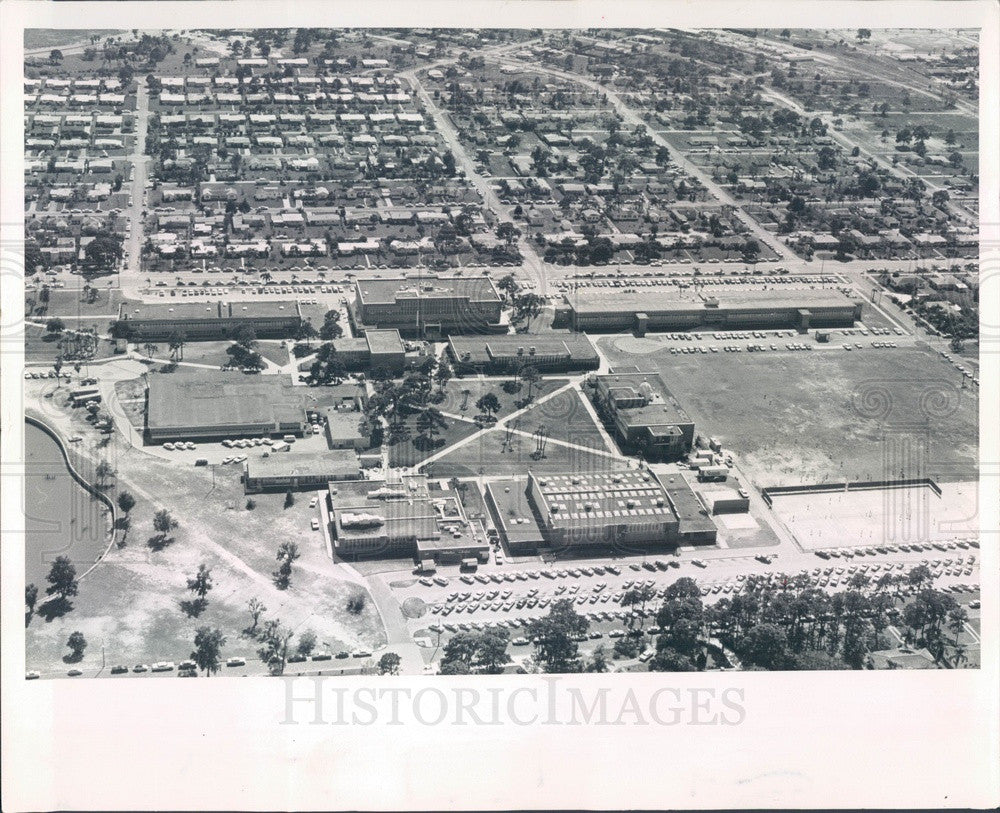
<point x="912" y="547"/>
<point x="963" y="370"/>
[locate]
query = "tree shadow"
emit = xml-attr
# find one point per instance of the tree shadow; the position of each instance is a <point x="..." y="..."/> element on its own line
<point x="193" y="608"/>
<point x="510" y="387"/>
<point x="73" y="657"/>
<point x="56" y="608"/>
<point x="426" y="444"/>
<point x="28" y="615"/>
<point x="158" y="542"/>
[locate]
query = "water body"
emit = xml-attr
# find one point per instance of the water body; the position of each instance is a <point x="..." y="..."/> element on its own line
<point x="61" y="518"/>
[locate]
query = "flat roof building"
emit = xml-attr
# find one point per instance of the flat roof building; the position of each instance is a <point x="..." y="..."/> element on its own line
<point x="377" y="518"/>
<point x="207" y="321"/>
<point x="217" y="404"/>
<point x="376" y="348"/>
<point x="430" y="306"/>
<point x="646" y="417"/>
<point x="290" y="471"/>
<point x="628" y="510"/>
<point x="343" y="429"/>
<point x="548" y="352"/>
<point x="675" y="308"/>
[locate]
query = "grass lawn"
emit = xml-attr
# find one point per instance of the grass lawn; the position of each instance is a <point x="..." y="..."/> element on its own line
<point x="565" y="417"/>
<point x="214" y="353"/>
<point x="490" y="455"/>
<point x="39" y="345"/>
<point x="130" y="603"/>
<point x="454" y="398"/>
<point x="67" y="303"/>
<point x="411" y="452"/>
<point x="826" y="415"/>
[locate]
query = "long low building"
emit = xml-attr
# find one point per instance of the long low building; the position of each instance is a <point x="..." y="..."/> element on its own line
<point x="547" y="352"/>
<point x="430" y="306"/>
<point x="291" y="471"/>
<point x="377" y="518"/>
<point x="208" y="405"/>
<point x="645" y="309"/>
<point x="628" y="511"/>
<point x="207" y="321"/>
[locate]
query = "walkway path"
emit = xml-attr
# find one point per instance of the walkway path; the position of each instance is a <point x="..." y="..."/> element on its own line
<point x="502" y="422"/>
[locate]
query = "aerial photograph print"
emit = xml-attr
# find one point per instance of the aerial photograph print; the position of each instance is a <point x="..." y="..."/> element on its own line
<point x="475" y="351"/>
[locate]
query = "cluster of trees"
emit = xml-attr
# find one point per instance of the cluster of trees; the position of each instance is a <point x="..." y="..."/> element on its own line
<point x="242" y="354"/>
<point x="774" y="623"/>
<point x="482" y="652"/>
<point x="288" y="552"/>
<point x="394" y="403"/>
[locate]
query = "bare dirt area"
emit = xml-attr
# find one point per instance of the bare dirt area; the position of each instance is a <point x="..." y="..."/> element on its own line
<point x="131" y="602"/>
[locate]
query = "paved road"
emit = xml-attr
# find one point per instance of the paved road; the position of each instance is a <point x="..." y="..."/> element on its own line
<point x="633" y="118"/>
<point x="133" y="249"/>
<point x="532" y="262"/>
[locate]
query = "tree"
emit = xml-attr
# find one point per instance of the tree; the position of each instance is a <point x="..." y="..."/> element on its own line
<point x="305" y="332"/>
<point x="246" y="337"/>
<point x="163" y="522"/>
<point x="62" y="579"/>
<point x="430" y="422"/>
<point x="207" y="653"/>
<point x="176" y="343"/>
<point x="670" y="660"/>
<point x="288" y="552"/>
<point x="126" y="502"/>
<point x="598" y="660"/>
<point x="77" y="643"/>
<point x="489" y="403"/>
<point x="55" y="325"/>
<point x="289" y="499"/>
<point x="491" y="650"/>
<point x="201" y="583"/>
<point x="307" y="643"/>
<point x="331" y="328"/>
<point x="103" y="471"/>
<point x="55" y="56"/>
<point x="356" y="603"/>
<point x="554" y="634"/>
<point x="103" y="253"/>
<point x="389" y="664"/>
<point x="30" y="598"/>
<point x="957" y="345"/>
<point x="531" y="376"/>
<point x="766" y="645"/>
<point x="257" y="609"/>
<point x="273" y="649"/>
<point x="637" y="596"/>
<point x="864" y="34"/>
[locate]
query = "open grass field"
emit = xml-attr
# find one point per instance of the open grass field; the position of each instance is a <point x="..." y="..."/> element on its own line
<point x="565" y="417"/>
<point x="39" y="345"/>
<point x="491" y="455"/>
<point x="68" y="303"/>
<point x="411" y="452"/>
<point x="827" y="415"/>
<point x="455" y="398"/>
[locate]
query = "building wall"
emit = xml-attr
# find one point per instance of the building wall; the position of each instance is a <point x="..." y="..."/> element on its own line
<point x="210" y="329"/>
<point x="743" y="318"/>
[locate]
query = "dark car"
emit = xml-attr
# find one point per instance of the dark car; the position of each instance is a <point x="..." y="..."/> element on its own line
<point x="119" y="670"/>
<point x="342" y="654"/>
